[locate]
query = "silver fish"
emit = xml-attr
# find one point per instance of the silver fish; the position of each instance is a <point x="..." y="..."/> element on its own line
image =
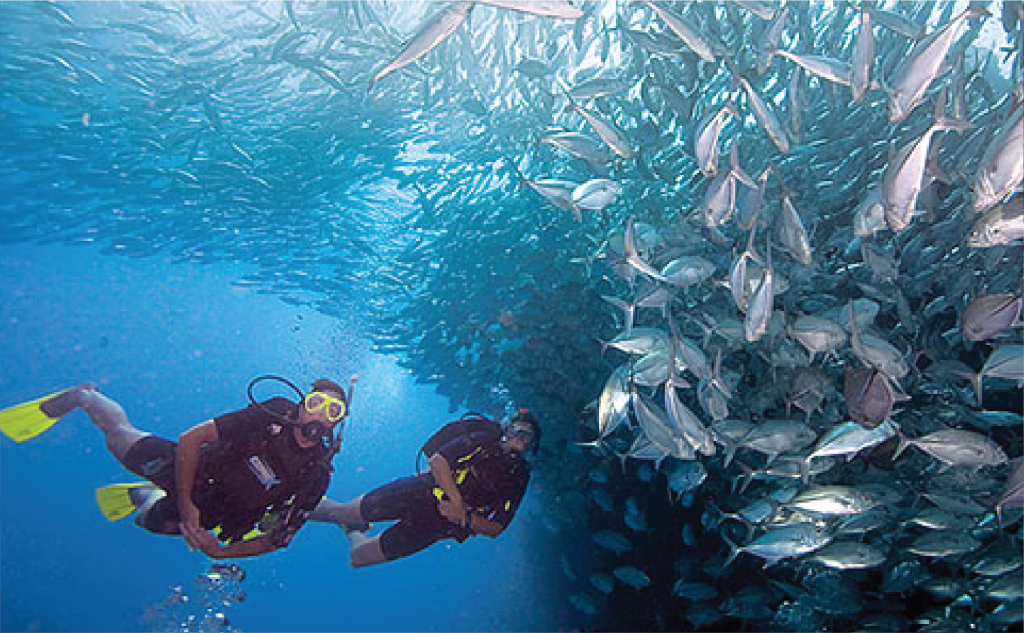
<point x="596" y="193"/>
<point x="557" y="192"/>
<point x="832" y="501"/>
<point x="870" y="396"/>
<point x="755" y="323"/>
<point x="610" y="133"/>
<point x="909" y="82"/>
<point x="817" y="334"/>
<point x="1002" y="166"/>
<point x="776" y="544"/>
<point x="689" y="33"/>
<point x="436" y="30"/>
<point x="955" y="447"/>
<point x="764" y="113"/>
<point x="905" y="175"/>
<point x="989" y="316"/>
<point x="845" y="555"/>
<point x="543" y="8"/>
<point x="1000" y="226"/>
<point x="875" y="352"/>
<point x="847" y="440"/>
<point x="834" y="70"/>
<point x="613" y="404"/>
<point x="863" y="63"/>
<point x="705" y="139"/>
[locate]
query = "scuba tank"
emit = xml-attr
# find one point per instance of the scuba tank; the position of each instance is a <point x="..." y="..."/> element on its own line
<point x="467" y="424"/>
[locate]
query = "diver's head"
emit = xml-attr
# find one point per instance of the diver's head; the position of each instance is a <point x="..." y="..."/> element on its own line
<point x="522" y="433"/>
<point x="321" y="411"/>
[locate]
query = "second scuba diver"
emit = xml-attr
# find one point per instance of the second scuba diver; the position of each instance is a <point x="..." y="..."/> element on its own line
<point x="250" y="476"/>
<point x="477" y="478"/>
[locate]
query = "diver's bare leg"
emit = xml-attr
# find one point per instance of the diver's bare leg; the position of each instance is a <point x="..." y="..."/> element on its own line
<point x="328" y="511"/>
<point x="106" y="414"/>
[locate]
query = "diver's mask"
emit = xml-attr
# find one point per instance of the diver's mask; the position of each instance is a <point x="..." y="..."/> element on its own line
<point x="334" y="409"/>
<point x="524" y="426"/>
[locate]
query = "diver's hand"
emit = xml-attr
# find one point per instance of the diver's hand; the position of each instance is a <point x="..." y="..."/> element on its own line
<point x="200" y="539"/>
<point x="189" y="517"/>
<point x="454" y="511"/>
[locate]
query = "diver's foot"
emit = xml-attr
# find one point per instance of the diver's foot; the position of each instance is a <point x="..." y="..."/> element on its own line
<point x="349" y="528"/>
<point x="64" y="402"/>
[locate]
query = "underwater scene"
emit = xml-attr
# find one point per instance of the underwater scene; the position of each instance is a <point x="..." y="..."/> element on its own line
<point x="740" y="282"/>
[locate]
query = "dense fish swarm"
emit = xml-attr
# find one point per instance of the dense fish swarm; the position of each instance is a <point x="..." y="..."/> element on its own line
<point x="757" y="264"/>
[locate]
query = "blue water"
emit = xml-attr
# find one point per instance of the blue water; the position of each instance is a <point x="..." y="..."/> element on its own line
<point x="176" y="345"/>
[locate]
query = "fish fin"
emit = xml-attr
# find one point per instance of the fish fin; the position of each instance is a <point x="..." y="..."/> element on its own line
<point x="902" y="443"/>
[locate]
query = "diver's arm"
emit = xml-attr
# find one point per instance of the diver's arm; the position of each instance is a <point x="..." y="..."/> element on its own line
<point x="479" y="525"/>
<point x="189" y="446"/>
<point x="442" y="472"/>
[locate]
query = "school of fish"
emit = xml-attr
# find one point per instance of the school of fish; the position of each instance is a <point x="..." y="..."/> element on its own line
<point x="756" y="265"/>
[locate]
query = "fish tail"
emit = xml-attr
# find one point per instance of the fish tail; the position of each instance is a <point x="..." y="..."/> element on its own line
<point x="902" y="444"/>
<point x="976" y="381"/>
<point x="805" y="469"/>
<point x="734" y="551"/>
<point x="730" y="452"/>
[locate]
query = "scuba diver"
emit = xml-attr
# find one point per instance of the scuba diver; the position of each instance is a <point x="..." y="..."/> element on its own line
<point x="477" y="477"/>
<point x="250" y="476"/>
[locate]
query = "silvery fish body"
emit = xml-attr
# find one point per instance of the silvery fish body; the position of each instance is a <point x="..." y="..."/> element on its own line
<point x="641" y="340"/>
<point x="863" y="57"/>
<point x="686" y="31"/>
<point x="543" y="8"/>
<point x="613" y="404"/>
<point x="1002" y="167"/>
<point x="943" y="544"/>
<point x="956" y="447"/>
<point x="688" y="270"/>
<point x="832" y="501"/>
<point x="789" y="541"/>
<point x="999" y="226"/>
<point x="596" y="194"/>
<point x="909" y="82"/>
<point x="817" y="334"/>
<point x="850" y="438"/>
<point x="848" y="555"/>
<point x="833" y="70"/>
<point x="579" y="145"/>
<point x="654" y="422"/>
<point x="989" y="316"/>
<point x="774" y="437"/>
<point x="870" y="396"/>
<point x="435" y="31"/>
<point x="557" y="192"/>
<point x="760" y="309"/>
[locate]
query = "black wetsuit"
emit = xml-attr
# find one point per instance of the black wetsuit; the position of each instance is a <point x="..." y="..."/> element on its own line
<point x="256" y="466"/>
<point x="492" y="484"/>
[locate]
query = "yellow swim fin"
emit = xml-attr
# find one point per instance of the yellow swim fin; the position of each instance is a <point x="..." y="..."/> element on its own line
<point x="25" y="421"/>
<point x="117" y="501"/>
